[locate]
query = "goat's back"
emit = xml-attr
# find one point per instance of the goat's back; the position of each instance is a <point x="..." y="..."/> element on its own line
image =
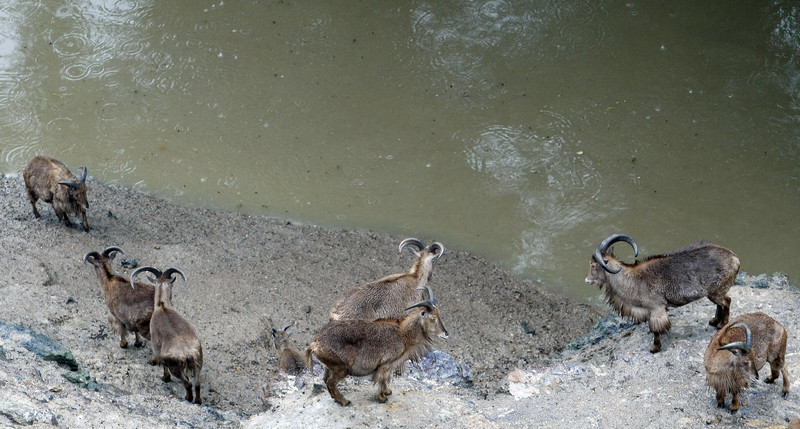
<point x="173" y="337"/>
<point x="688" y="274"/>
<point x="384" y="298"/>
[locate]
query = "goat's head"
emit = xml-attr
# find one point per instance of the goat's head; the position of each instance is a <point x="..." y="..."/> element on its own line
<point x="429" y="316"/>
<point x="598" y="265"/>
<point x="109" y="253"/>
<point x="77" y="190"/>
<point x="425" y="254"/>
<point x="280" y="337"/>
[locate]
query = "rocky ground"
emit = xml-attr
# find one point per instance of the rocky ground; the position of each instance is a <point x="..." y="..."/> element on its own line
<point x="517" y="354"/>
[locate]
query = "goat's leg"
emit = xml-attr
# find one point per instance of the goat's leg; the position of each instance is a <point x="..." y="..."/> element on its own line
<point x="383" y="377"/>
<point x="33" y="197"/>
<point x="658" y="322"/>
<point x="334" y="378"/>
<point x="186" y="384"/>
<point x="721" y="398"/>
<point x="119" y="328"/>
<point x="166" y="377"/>
<point x="138" y="342"/>
<point x="735" y="402"/>
<point x="197" y="399"/>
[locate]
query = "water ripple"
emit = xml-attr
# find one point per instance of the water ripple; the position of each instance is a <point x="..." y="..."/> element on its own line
<point x="70" y="44"/>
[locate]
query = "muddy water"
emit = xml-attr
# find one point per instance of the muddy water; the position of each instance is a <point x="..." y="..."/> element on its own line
<point x="524" y="131"/>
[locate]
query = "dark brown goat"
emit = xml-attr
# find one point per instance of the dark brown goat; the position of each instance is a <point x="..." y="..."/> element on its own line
<point x="363" y="347"/>
<point x="739" y="350"/>
<point x="290" y="360"/>
<point x="644" y="290"/>
<point x="50" y="180"/>
<point x="389" y="296"/>
<point x="129" y="310"/>
<point x="176" y="346"/>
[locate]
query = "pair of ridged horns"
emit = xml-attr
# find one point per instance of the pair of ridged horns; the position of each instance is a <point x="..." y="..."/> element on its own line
<point x="108" y="252"/>
<point x="160" y="276"/>
<point x="603" y="248"/>
<point x="415" y="242"/>
<point x="743" y="346"/>
<point x="429" y="303"/>
<point x="72" y="184"/>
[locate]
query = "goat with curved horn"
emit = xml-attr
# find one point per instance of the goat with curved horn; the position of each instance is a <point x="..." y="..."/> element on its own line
<point x="645" y="289"/>
<point x="176" y="346"/>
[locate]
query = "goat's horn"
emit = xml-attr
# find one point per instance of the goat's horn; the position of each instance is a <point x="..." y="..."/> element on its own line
<point x="70" y="184"/>
<point x="109" y="251"/>
<point x="172" y="270"/>
<point x="425" y="304"/>
<point x="738" y="345"/>
<point x="148" y="269"/>
<point x="436" y="245"/>
<point x="747" y="334"/>
<point x="414" y="242"/>
<point x="598" y="254"/>
<point x="83" y="175"/>
<point x="93" y="254"/>
<point x="431" y="298"/>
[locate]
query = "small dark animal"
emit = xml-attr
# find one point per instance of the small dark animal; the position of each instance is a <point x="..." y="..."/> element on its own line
<point x="389" y="296"/>
<point x="176" y="346"/>
<point x="739" y="350"/>
<point x="290" y="360"/>
<point x="50" y="180"/>
<point x="644" y="290"/>
<point x="129" y="310"/>
<point x="361" y="347"/>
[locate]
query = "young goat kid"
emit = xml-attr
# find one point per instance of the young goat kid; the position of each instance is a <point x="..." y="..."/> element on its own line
<point x="290" y="360"/>
<point x="644" y="290"/>
<point x="50" y="180"/>
<point x="176" y="346"/>
<point x="129" y="310"/>
<point x="374" y="347"/>
<point x="389" y="296"/>
<point x="739" y="350"/>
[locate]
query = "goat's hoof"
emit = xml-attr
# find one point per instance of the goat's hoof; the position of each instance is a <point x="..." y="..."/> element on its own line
<point x="138" y="344"/>
<point x="343" y="402"/>
<point x="785" y="395"/>
<point x="720" y="405"/>
<point x="655" y="349"/>
<point x="382" y="399"/>
<point x="123" y="344"/>
<point x="167" y="379"/>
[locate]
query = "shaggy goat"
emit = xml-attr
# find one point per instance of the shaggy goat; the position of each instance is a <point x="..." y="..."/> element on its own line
<point x="176" y="346"/>
<point x="50" y="180"/>
<point x="644" y="290"/>
<point x="129" y="310"/>
<point x="374" y="347"/>
<point x="389" y="296"/>
<point x="289" y="359"/>
<point x="735" y="355"/>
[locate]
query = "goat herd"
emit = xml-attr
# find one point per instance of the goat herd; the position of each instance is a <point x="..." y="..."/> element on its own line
<point x="375" y="328"/>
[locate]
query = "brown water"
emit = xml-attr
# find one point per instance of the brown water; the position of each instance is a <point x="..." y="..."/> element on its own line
<point x="524" y="131"/>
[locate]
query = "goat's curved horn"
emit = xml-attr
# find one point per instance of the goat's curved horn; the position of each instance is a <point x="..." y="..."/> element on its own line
<point x="413" y="242"/>
<point x="140" y="269"/>
<point x="70" y="184"/>
<point x="108" y="252"/>
<point x="738" y="345"/>
<point x="436" y="245"/>
<point x="93" y="254"/>
<point x="431" y="298"/>
<point x="172" y="270"/>
<point x="83" y="175"/>
<point x="748" y="338"/>
<point x="425" y="304"/>
<point x="598" y="254"/>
